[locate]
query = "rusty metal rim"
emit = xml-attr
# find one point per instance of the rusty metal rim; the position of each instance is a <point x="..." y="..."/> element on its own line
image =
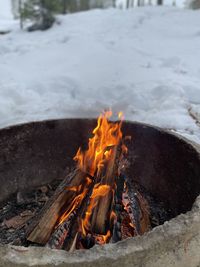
<point x="162" y="238"/>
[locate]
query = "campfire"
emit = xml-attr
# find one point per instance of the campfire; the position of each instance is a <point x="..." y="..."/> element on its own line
<point x="92" y="205"/>
<point x="54" y="194"/>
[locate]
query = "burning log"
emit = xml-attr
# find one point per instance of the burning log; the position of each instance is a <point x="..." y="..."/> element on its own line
<point x="75" y="231"/>
<point x="67" y="195"/>
<point x="144" y="218"/>
<point x="58" y="237"/>
<point x="102" y="211"/>
<point x="118" y="209"/>
<point x="98" y="201"/>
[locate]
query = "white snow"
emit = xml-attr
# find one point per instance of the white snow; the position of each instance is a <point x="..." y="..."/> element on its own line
<point x="5" y="9"/>
<point x="6" y="16"/>
<point x="143" y="61"/>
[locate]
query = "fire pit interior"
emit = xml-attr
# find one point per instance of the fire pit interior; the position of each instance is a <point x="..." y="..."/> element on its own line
<point x="156" y="178"/>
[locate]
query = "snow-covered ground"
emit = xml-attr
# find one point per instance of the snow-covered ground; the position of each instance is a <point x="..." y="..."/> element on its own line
<point x="145" y="62"/>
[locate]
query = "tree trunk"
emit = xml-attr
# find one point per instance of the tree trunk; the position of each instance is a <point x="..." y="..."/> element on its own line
<point x="84" y="5"/>
<point x="20" y="15"/>
<point x="160" y="2"/>
<point x="64" y="6"/>
<point x="127" y="3"/>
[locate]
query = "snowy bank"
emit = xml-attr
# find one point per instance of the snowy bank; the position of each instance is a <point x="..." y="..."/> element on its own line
<point x="144" y="62"/>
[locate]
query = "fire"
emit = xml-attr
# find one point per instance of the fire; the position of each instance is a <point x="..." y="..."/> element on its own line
<point x="106" y="135"/>
<point x="98" y="191"/>
<point x="97" y="161"/>
<point x="76" y="201"/>
<point x="93" y="205"/>
<point x="102" y="239"/>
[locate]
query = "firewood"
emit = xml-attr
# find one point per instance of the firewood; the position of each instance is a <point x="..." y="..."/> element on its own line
<point x="140" y="211"/>
<point x="41" y="229"/>
<point x="102" y="211"/>
<point x="58" y="237"/>
<point x="74" y="233"/>
<point x="73" y="246"/>
<point x="118" y="209"/>
<point x="145" y="224"/>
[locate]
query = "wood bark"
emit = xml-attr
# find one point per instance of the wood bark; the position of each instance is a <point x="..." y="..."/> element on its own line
<point x="44" y="224"/>
<point x="140" y="210"/>
<point x="101" y="213"/>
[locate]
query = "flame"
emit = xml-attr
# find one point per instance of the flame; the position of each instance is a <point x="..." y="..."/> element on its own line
<point x="94" y="161"/>
<point x="76" y="201"/>
<point x="132" y="225"/>
<point x="106" y="135"/>
<point x="103" y="239"/>
<point x="121" y="115"/>
<point x="98" y="191"/>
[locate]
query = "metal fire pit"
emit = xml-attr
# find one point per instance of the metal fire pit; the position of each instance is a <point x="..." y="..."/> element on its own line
<point x="165" y="164"/>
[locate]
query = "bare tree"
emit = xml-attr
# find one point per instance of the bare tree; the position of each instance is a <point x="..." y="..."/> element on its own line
<point x="20" y="15"/>
<point x="64" y="6"/>
<point x="84" y="4"/>
<point x="159" y="2"/>
<point x="127" y="3"/>
<point x="140" y="2"/>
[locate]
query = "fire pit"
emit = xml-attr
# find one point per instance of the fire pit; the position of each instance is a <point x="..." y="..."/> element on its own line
<point x="162" y="164"/>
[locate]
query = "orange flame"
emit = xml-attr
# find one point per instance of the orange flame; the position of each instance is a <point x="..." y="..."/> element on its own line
<point x="76" y="201"/>
<point x="98" y="191"/>
<point x="103" y="239"/>
<point x="106" y="135"/>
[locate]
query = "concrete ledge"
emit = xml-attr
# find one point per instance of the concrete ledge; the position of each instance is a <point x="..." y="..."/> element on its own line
<point x="176" y="243"/>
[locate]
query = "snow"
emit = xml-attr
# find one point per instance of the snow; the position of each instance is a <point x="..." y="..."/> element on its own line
<point x="143" y="61"/>
<point x="180" y="3"/>
<point x="6" y="17"/>
<point x="5" y="9"/>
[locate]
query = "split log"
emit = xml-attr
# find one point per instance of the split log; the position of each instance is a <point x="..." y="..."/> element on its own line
<point x="139" y="210"/>
<point x="75" y="231"/>
<point x="41" y="229"/>
<point x="101" y="213"/>
<point x="145" y="224"/>
<point x="118" y="209"/>
<point x="58" y="237"/>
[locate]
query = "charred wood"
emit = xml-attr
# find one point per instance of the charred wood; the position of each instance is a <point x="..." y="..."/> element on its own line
<point x="102" y="211"/>
<point x="138" y="210"/>
<point x="42" y="227"/>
